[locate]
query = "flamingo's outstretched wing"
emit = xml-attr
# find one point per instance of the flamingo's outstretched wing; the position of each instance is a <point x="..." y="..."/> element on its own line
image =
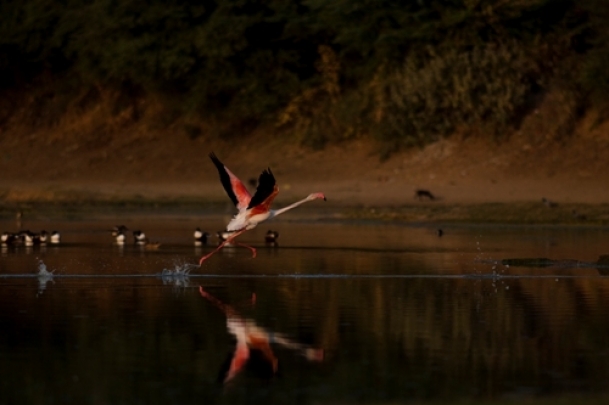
<point x="266" y="191"/>
<point x="234" y="187"/>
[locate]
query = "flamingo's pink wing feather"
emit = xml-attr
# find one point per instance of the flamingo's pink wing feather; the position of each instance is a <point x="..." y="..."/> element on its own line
<point x="243" y="196"/>
<point x="234" y="187"/>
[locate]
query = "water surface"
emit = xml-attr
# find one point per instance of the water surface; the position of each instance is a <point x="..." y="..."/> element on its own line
<point x="360" y="313"/>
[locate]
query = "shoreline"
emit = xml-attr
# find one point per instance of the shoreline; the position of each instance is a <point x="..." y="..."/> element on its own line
<point x="74" y="206"/>
<point x="472" y="180"/>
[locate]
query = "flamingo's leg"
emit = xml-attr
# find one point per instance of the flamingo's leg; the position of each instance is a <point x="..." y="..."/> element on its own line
<point x="221" y="245"/>
<point x="227" y="309"/>
<point x="249" y="247"/>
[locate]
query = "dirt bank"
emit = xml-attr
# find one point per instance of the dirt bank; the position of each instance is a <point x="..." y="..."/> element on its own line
<point x="48" y="166"/>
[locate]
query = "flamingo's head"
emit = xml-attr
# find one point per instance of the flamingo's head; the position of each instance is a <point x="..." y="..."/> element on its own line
<point x="316" y="196"/>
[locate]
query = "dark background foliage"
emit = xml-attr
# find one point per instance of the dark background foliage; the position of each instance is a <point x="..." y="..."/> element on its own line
<point x="407" y="72"/>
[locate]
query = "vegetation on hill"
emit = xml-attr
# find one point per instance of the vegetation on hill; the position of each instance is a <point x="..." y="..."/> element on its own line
<point x="404" y="72"/>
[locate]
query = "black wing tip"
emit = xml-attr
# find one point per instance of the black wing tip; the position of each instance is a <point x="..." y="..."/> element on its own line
<point x="214" y="158"/>
<point x="216" y="161"/>
<point x="266" y="186"/>
<point x="266" y="177"/>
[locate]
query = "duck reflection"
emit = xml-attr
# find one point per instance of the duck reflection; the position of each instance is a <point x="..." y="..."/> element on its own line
<point x="253" y="347"/>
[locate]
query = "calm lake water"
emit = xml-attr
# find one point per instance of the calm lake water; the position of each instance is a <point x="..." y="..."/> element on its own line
<point x="337" y="313"/>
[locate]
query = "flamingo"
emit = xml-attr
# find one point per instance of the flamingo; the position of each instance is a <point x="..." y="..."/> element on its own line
<point x="252" y="209"/>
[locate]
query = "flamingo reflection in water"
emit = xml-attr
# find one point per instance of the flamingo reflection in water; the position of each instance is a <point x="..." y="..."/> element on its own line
<point x="255" y="340"/>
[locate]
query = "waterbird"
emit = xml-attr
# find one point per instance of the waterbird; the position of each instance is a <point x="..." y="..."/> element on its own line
<point x="119" y="229"/>
<point x="43" y="238"/>
<point x="200" y="236"/>
<point x="252" y="209"/>
<point x="8" y="238"/>
<point x="27" y="237"/>
<point x="55" y="238"/>
<point x="152" y="245"/>
<point x="271" y="237"/>
<point x="139" y="237"/>
<point x="223" y="235"/>
<point x="120" y="237"/>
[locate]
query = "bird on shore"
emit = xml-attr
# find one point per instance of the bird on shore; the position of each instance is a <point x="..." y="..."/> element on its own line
<point x="548" y="203"/>
<point x="421" y="194"/>
<point x="252" y="209"/>
<point x="578" y="215"/>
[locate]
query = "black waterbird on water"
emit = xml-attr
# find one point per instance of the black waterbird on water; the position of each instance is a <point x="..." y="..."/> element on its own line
<point x="200" y="236"/>
<point x="271" y="237"/>
<point x="55" y="238"/>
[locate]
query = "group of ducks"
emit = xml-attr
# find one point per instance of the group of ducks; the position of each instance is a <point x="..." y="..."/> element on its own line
<point x="202" y="238"/>
<point x="119" y="233"/>
<point x="27" y="238"/>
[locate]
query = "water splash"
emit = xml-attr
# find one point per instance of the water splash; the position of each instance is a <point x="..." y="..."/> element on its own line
<point x="178" y="276"/>
<point x="44" y="276"/>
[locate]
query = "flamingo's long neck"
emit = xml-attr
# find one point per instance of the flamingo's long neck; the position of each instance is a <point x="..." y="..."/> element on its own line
<point x="289" y="207"/>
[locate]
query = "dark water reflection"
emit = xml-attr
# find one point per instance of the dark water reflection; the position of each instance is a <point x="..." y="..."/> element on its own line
<point x="399" y="314"/>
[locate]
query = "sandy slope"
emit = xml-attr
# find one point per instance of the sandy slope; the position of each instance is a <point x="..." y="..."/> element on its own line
<point x="170" y="165"/>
